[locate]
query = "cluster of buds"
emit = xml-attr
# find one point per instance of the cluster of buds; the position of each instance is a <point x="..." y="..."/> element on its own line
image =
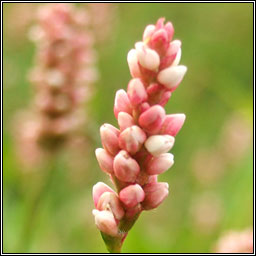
<point x="136" y="153"/>
<point x="236" y="242"/>
<point x="63" y="74"/>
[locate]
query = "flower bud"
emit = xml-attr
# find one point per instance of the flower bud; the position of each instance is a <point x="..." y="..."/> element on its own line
<point x="151" y="120"/>
<point x="159" y="144"/>
<point x="170" y="30"/>
<point x="172" y="56"/>
<point x="109" y="137"/>
<point x="160" y="164"/>
<point x="126" y="168"/>
<point x="109" y="201"/>
<point x="149" y="30"/>
<point x="105" y="160"/>
<point x="164" y="98"/>
<point x="172" y="76"/>
<point x="147" y="57"/>
<point x="133" y="63"/>
<point x="106" y="223"/>
<point x="155" y="193"/>
<point x="159" y="41"/>
<point x="125" y="120"/>
<point x="132" y="195"/>
<point x="98" y="189"/>
<point x="172" y="124"/>
<point x="136" y="91"/>
<point x="131" y="139"/>
<point x="131" y="212"/>
<point x="143" y="107"/>
<point x="122" y="103"/>
<point x="152" y="179"/>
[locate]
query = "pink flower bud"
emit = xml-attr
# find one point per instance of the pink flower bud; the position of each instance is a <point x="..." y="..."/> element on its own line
<point x="160" y="23"/>
<point x="105" y="160"/>
<point x="131" y="212"/>
<point x="152" y="179"/>
<point x="159" y="144"/>
<point x="170" y="30"/>
<point x="125" y="168"/>
<point x="132" y="138"/>
<point x="172" y="76"/>
<point x="132" y="195"/>
<point x="151" y="120"/>
<point x="98" y="189"/>
<point x="149" y="30"/>
<point x="155" y="193"/>
<point x="143" y="107"/>
<point x="109" y="201"/>
<point x="160" y="164"/>
<point x="147" y="57"/>
<point x="125" y="120"/>
<point x="136" y="91"/>
<point x="109" y="137"/>
<point x="122" y="103"/>
<point x="106" y="223"/>
<point x="133" y="63"/>
<point x="177" y="58"/>
<point x="154" y="88"/>
<point x="164" y="98"/>
<point x="172" y="124"/>
<point x="172" y="56"/>
<point x="159" y="41"/>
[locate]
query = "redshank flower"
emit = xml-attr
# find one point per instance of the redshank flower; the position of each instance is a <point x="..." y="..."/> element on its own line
<point x="137" y="152"/>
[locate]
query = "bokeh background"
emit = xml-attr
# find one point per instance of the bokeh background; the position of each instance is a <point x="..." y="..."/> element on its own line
<point x="211" y="183"/>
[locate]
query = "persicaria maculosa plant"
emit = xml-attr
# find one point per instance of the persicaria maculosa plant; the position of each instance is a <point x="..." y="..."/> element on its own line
<point x="136" y="153"/>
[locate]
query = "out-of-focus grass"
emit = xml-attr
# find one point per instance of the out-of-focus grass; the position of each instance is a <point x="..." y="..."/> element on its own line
<point x="217" y="47"/>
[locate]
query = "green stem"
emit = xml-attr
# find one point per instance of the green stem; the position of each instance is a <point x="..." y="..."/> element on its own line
<point x="114" y="244"/>
<point x="34" y="207"/>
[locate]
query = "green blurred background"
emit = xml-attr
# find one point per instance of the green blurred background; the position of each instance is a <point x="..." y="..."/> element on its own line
<point x="211" y="183"/>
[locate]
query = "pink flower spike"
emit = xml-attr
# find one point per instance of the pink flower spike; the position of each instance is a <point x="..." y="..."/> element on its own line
<point x="106" y="223"/>
<point x="132" y="195"/>
<point x="159" y="144"/>
<point x="105" y="160"/>
<point x="151" y="120"/>
<point x="131" y="139"/>
<point x="125" y="120"/>
<point x="109" y="137"/>
<point x="110" y="201"/>
<point x="133" y="63"/>
<point x="122" y="103"/>
<point x="136" y="91"/>
<point x="98" y="189"/>
<point x="172" y="76"/>
<point x="155" y="193"/>
<point x="160" y="164"/>
<point x="126" y="168"/>
<point x="149" y="30"/>
<point x="146" y="132"/>
<point x="148" y="58"/>
<point x="172" y="124"/>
